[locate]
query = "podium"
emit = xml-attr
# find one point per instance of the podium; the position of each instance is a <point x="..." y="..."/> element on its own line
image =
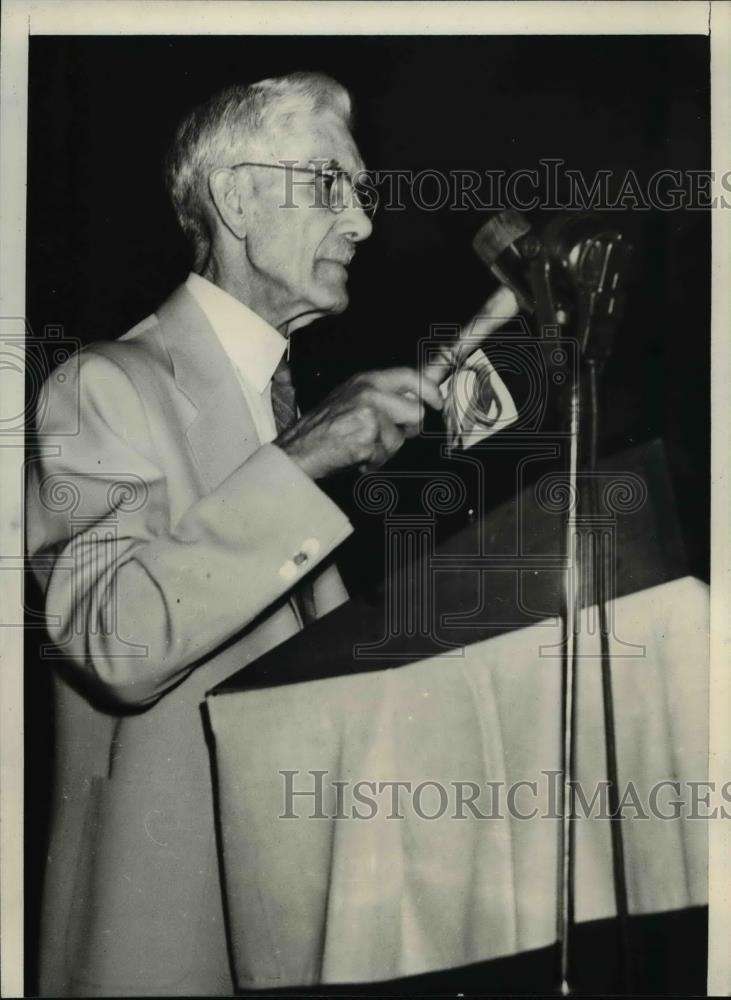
<point x="386" y="780"/>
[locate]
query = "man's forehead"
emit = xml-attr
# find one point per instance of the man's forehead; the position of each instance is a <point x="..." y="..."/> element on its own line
<point x="318" y="138"/>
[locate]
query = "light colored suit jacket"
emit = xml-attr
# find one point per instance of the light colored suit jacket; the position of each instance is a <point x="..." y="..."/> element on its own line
<point x="166" y="539"/>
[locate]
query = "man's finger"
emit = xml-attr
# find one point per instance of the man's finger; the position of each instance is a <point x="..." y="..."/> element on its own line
<point x="397" y="408"/>
<point x="392" y="437"/>
<point x="441" y="366"/>
<point x="408" y="380"/>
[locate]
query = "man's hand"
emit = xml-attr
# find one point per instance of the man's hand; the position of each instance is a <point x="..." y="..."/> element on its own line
<point x="361" y="423"/>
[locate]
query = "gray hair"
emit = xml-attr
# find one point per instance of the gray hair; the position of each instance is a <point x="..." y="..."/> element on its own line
<point x="215" y="133"/>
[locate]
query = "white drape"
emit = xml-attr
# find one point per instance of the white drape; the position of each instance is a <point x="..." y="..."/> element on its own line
<point x="333" y="900"/>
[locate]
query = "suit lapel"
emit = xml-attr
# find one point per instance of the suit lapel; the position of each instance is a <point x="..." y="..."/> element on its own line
<point x="222" y="434"/>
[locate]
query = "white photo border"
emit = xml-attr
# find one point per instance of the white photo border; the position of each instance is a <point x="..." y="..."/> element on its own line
<point x="23" y="18"/>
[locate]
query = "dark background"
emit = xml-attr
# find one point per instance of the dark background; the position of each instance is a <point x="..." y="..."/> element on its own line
<point x="103" y="247"/>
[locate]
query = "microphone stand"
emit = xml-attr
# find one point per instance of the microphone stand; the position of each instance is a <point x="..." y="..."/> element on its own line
<point x="595" y="266"/>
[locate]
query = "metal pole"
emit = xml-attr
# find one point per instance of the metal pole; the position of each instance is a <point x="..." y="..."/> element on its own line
<point x="610" y="734"/>
<point x="570" y="617"/>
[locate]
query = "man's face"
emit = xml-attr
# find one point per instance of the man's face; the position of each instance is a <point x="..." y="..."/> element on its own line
<point x="298" y="250"/>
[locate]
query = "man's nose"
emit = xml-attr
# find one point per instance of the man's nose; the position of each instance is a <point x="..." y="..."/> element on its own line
<point x="354" y="223"/>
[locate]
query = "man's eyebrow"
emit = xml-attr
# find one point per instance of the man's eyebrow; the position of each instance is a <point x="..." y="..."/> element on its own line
<point x="333" y="164"/>
<point x="324" y="163"/>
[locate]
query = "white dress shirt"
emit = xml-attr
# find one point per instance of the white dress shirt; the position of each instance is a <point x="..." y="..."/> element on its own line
<point x="253" y="347"/>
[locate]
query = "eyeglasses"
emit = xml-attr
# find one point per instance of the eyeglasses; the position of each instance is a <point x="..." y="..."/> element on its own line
<point x="335" y="189"/>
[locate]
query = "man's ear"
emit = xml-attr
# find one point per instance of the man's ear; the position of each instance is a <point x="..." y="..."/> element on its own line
<point x="229" y="194"/>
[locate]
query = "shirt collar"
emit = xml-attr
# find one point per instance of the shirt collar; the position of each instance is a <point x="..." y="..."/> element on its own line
<point x="253" y="346"/>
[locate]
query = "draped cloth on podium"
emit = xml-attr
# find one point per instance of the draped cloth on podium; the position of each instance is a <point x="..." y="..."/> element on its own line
<point x="340" y="899"/>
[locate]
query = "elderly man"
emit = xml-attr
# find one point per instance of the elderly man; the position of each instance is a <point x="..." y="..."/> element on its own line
<point x="196" y="536"/>
<point x="178" y="531"/>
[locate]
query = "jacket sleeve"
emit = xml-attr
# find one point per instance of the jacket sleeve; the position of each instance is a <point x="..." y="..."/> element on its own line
<point x="133" y="601"/>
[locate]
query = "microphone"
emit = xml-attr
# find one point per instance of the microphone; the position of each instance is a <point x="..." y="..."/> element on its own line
<point x="575" y="273"/>
<point x="505" y="243"/>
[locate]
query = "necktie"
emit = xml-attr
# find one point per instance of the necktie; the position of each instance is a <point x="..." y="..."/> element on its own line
<point x="283" y="403"/>
<point x="284" y="409"/>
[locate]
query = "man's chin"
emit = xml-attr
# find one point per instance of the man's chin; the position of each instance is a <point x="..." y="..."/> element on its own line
<point x="334" y="297"/>
<point x="332" y="307"/>
<point x="341" y="305"/>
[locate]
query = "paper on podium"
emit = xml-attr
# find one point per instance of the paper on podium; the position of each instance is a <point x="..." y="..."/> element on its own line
<point x="477" y="402"/>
